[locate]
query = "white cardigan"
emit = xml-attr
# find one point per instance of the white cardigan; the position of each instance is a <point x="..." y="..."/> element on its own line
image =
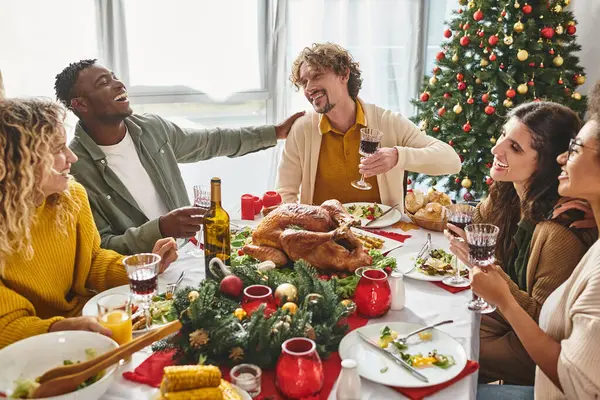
<point x="417" y="152"/>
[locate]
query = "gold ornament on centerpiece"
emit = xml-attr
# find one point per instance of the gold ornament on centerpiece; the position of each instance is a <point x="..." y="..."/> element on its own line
<point x="576" y="96"/>
<point x="290" y="307"/>
<point x="522" y="88"/>
<point x="457" y="109"/>
<point x="507" y="103"/>
<point x="193" y="295"/>
<point x="559" y="30"/>
<point x="240" y="313"/>
<point x="522" y="55"/>
<point x="433" y="80"/>
<point x="580" y="79"/>
<point x="198" y="338"/>
<point x="508" y="40"/>
<point x="558" y="61"/>
<point x="236" y="354"/>
<point x="466" y="183"/>
<point x="286" y="290"/>
<point x="455" y="58"/>
<point x="519" y="27"/>
<point x="350" y="306"/>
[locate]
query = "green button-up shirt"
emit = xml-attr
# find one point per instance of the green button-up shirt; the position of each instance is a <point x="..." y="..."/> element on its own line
<point x="160" y="145"/>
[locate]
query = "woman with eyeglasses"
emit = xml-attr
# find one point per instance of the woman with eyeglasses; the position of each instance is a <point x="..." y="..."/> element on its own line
<point x="542" y="236"/>
<point x="565" y="346"/>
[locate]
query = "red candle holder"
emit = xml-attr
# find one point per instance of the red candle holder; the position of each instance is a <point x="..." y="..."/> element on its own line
<point x="271" y="198"/>
<point x="373" y="296"/>
<point x="258" y="204"/>
<point x="257" y="295"/>
<point x="248" y="207"/>
<point x="299" y="371"/>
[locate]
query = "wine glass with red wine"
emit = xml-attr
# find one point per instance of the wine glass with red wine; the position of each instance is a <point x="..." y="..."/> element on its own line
<point x="201" y="200"/>
<point x="460" y="215"/>
<point x="482" y="240"/>
<point x="369" y="143"/>
<point x="142" y="271"/>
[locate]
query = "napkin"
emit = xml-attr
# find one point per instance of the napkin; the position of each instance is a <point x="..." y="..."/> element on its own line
<point x="392" y="235"/>
<point x="150" y="372"/>
<point x="451" y="289"/>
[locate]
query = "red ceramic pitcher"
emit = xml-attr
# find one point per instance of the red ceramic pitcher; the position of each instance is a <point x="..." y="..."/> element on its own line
<point x="299" y="371"/>
<point x="373" y="296"/>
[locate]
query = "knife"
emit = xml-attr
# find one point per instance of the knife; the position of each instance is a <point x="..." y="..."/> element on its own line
<point x="382" y="215"/>
<point x="397" y="360"/>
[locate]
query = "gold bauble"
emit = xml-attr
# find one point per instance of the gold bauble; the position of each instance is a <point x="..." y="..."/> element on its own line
<point x="519" y="27"/>
<point x="571" y="23"/>
<point x="466" y="183"/>
<point x="580" y="80"/>
<point x="286" y="290"/>
<point x="457" y="109"/>
<point x="567" y="2"/>
<point x="559" y="30"/>
<point x="471" y="4"/>
<point x="507" y="103"/>
<point x="484" y="62"/>
<point x="508" y="40"/>
<point x="558" y="61"/>
<point x="462" y="2"/>
<point x="576" y="96"/>
<point x="557" y="8"/>
<point x="290" y="307"/>
<point x="350" y="306"/>
<point x="433" y="80"/>
<point x="423" y="125"/>
<point x="455" y="58"/>
<point x="522" y="88"/>
<point x="478" y="81"/>
<point x="517" y="5"/>
<point x="240" y="313"/>
<point x="522" y="55"/>
<point x="193" y="295"/>
<point x="465" y="151"/>
<point x="493" y="140"/>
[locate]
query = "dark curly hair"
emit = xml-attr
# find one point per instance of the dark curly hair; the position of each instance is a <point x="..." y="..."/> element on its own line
<point x="329" y="55"/>
<point x="64" y="85"/>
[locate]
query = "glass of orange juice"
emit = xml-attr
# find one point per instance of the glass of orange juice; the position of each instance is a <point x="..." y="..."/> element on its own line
<point x="114" y="313"/>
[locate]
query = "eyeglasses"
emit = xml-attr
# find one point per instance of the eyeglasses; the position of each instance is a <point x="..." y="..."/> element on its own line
<point x="574" y="143"/>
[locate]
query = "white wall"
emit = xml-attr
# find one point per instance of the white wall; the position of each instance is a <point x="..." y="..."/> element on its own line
<point x="587" y="13"/>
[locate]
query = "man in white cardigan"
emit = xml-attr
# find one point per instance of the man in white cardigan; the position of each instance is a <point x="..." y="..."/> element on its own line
<point x="321" y="158"/>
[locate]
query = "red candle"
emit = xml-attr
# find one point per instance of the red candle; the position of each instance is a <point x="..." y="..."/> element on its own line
<point x="271" y="198"/>
<point x="299" y="371"/>
<point x="257" y="295"/>
<point x="373" y="296"/>
<point x="248" y="207"/>
<point x="258" y="204"/>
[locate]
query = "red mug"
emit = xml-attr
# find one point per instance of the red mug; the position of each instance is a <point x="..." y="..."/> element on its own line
<point x="258" y="204"/>
<point x="299" y="372"/>
<point x="257" y="295"/>
<point x="271" y="198"/>
<point x="248" y="207"/>
<point x="373" y="295"/>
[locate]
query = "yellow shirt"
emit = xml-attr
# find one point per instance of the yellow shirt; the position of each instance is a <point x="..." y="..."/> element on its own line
<point x="66" y="270"/>
<point x="338" y="164"/>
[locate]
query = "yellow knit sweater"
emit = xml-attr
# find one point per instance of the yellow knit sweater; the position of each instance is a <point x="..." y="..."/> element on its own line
<point x="65" y="271"/>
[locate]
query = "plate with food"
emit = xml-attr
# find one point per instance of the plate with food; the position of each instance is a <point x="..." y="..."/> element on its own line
<point x="372" y="240"/>
<point x="160" y="309"/>
<point x="433" y="266"/>
<point x="433" y="353"/>
<point x="369" y="211"/>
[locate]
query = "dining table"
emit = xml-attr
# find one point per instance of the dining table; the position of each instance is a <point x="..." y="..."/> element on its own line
<point x="425" y="304"/>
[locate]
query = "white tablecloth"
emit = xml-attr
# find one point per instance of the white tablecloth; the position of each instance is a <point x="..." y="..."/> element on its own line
<point x="425" y="304"/>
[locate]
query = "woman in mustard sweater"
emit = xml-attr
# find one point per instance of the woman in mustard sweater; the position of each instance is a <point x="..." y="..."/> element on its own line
<point x="51" y="262"/>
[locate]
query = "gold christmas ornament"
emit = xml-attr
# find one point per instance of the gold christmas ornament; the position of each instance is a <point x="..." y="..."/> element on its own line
<point x="557" y="8"/>
<point x="507" y="103"/>
<point x="193" y="295"/>
<point x="478" y="81"/>
<point x="522" y="88"/>
<point x="508" y="40"/>
<point x="522" y="55"/>
<point x="576" y="96"/>
<point x="567" y="2"/>
<point x="519" y="27"/>
<point x="571" y="23"/>
<point x="484" y="62"/>
<point x="286" y="290"/>
<point x="240" y="313"/>
<point x="580" y="80"/>
<point x="433" y="80"/>
<point x="455" y="58"/>
<point x="350" y="306"/>
<point x="423" y="125"/>
<point x="558" y="61"/>
<point x="517" y="5"/>
<point x="290" y="307"/>
<point x="471" y="4"/>
<point x="457" y="109"/>
<point x="466" y="183"/>
<point x="462" y="2"/>
<point x="465" y="151"/>
<point x="559" y="30"/>
<point x="198" y="338"/>
<point x="236" y="354"/>
<point x="493" y="140"/>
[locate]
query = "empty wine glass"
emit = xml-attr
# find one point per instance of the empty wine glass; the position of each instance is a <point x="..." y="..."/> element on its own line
<point x="482" y="240"/>
<point x="201" y="200"/>
<point x="369" y="142"/>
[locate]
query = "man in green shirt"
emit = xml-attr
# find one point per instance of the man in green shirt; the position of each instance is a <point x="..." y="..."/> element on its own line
<point x="128" y="162"/>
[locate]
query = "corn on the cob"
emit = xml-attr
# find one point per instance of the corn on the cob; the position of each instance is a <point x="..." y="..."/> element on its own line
<point x="185" y="377"/>
<point x="207" y="393"/>
<point x="229" y="393"/>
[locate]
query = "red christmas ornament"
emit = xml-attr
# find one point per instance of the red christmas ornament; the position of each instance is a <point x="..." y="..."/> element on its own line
<point x="424" y="97"/>
<point x="560" y="82"/>
<point x="567" y="91"/>
<point x="460" y="10"/>
<point x="488" y="165"/>
<point x="447" y="95"/>
<point x="489" y="181"/>
<point x="527" y="9"/>
<point x="489" y="110"/>
<point x="485" y="97"/>
<point x="436" y="128"/>
<point x="460" y="25"/>
<point x="531" y="83"/>
<point x="541" y="65"/>
<point x="547" y="32"/>
<point x="436" y="70"/>
<point x="478" y="15"/>
<point x="551" y="52"/>
<point x="493" y="40"/>
<point x="509" y="93"/>
<point x="408" y="181"/>
<point x="536" y="100"/>
<point x="503" y="13"/>
<point x="451" y="142"/>
<point x="501" y="65"/>
<point x="460" y="77"/>
<point x="492" y="57"/>
<point x="466" y="26"/>
<point x="468" y="196"/>
<point x="462" y="86"/>
<point x="571" y="29"/>
<point x="470" y="100"/>
<point x="464" y="41"/>
<point x="457" y="180"/>
<point x="442" y="111"/>
<point x="480" y="33"/>
<point x="461" y="157"/>
<point x="532" y="64"/>
<point x="447" y="33"/>
<point x="467" y="127"/>
<point x="481" y="45"/>
<point x="440" y="56"/>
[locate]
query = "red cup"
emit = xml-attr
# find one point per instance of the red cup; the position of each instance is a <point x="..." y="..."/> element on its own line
<point x="248" y="207"/>
<point x="271" y="198"/>
<point x="257" y="295"/>
<point x="299" y="371"/>
<point x="373" y="295"/>
<point x="258" y="205"/>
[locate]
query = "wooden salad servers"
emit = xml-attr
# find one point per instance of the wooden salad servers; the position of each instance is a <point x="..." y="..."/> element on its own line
<point x="66" y="379"/>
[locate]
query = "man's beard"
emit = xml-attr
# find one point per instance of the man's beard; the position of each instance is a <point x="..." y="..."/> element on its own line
<point x="326" y="108"/>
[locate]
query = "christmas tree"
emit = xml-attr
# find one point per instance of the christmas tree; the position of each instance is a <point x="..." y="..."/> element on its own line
<point x="498" y="53"/>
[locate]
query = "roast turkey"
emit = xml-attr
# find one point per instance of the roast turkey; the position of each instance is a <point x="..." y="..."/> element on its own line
<point x="320" y="235"/>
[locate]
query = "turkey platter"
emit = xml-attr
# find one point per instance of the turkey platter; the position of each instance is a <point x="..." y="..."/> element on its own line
<point x="320" y="235"/>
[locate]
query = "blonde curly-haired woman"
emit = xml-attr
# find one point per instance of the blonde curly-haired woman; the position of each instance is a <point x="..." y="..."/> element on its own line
<point x="51" y="262"/>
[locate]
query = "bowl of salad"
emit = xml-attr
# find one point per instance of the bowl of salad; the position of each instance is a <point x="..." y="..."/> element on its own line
<point x="26" y="360"/>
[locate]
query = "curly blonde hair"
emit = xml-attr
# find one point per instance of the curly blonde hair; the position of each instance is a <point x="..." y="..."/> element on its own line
<point x="29" y="133"/>
<point x="328" y="55"/>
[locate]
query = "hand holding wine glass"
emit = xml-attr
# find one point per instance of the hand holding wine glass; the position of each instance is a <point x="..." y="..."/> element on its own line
<point x="490" y="283"/>
<point x="202" y="204"/>
<point x="369" y="143"/>
<point x="481" y="239"/>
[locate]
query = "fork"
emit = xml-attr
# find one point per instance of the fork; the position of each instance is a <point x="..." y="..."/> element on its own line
<point x="424" y="250"/>
<point x="172" y="287"/>
<point x="402" y="340"/>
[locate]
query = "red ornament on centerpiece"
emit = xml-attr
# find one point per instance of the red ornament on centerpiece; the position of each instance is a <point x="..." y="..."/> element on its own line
<point x="299" y="371"/>
<point x="257" y="295"/>
<point x="373" y="295"/>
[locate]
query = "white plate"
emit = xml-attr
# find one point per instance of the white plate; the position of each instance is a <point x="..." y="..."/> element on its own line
<point x="243" y="394"/>
<point x="371" y="362"/>
<point x="388" y="244"/>
<point x="405" y="261"/>
<point x="388" y="220"/>
<point x="91" y="308"/>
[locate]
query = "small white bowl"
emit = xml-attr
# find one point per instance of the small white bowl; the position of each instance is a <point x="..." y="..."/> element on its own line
<point x="32" y="357"/>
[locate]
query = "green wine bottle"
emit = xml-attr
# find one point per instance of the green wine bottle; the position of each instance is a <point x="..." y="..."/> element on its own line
<point x="217" y="237"/>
